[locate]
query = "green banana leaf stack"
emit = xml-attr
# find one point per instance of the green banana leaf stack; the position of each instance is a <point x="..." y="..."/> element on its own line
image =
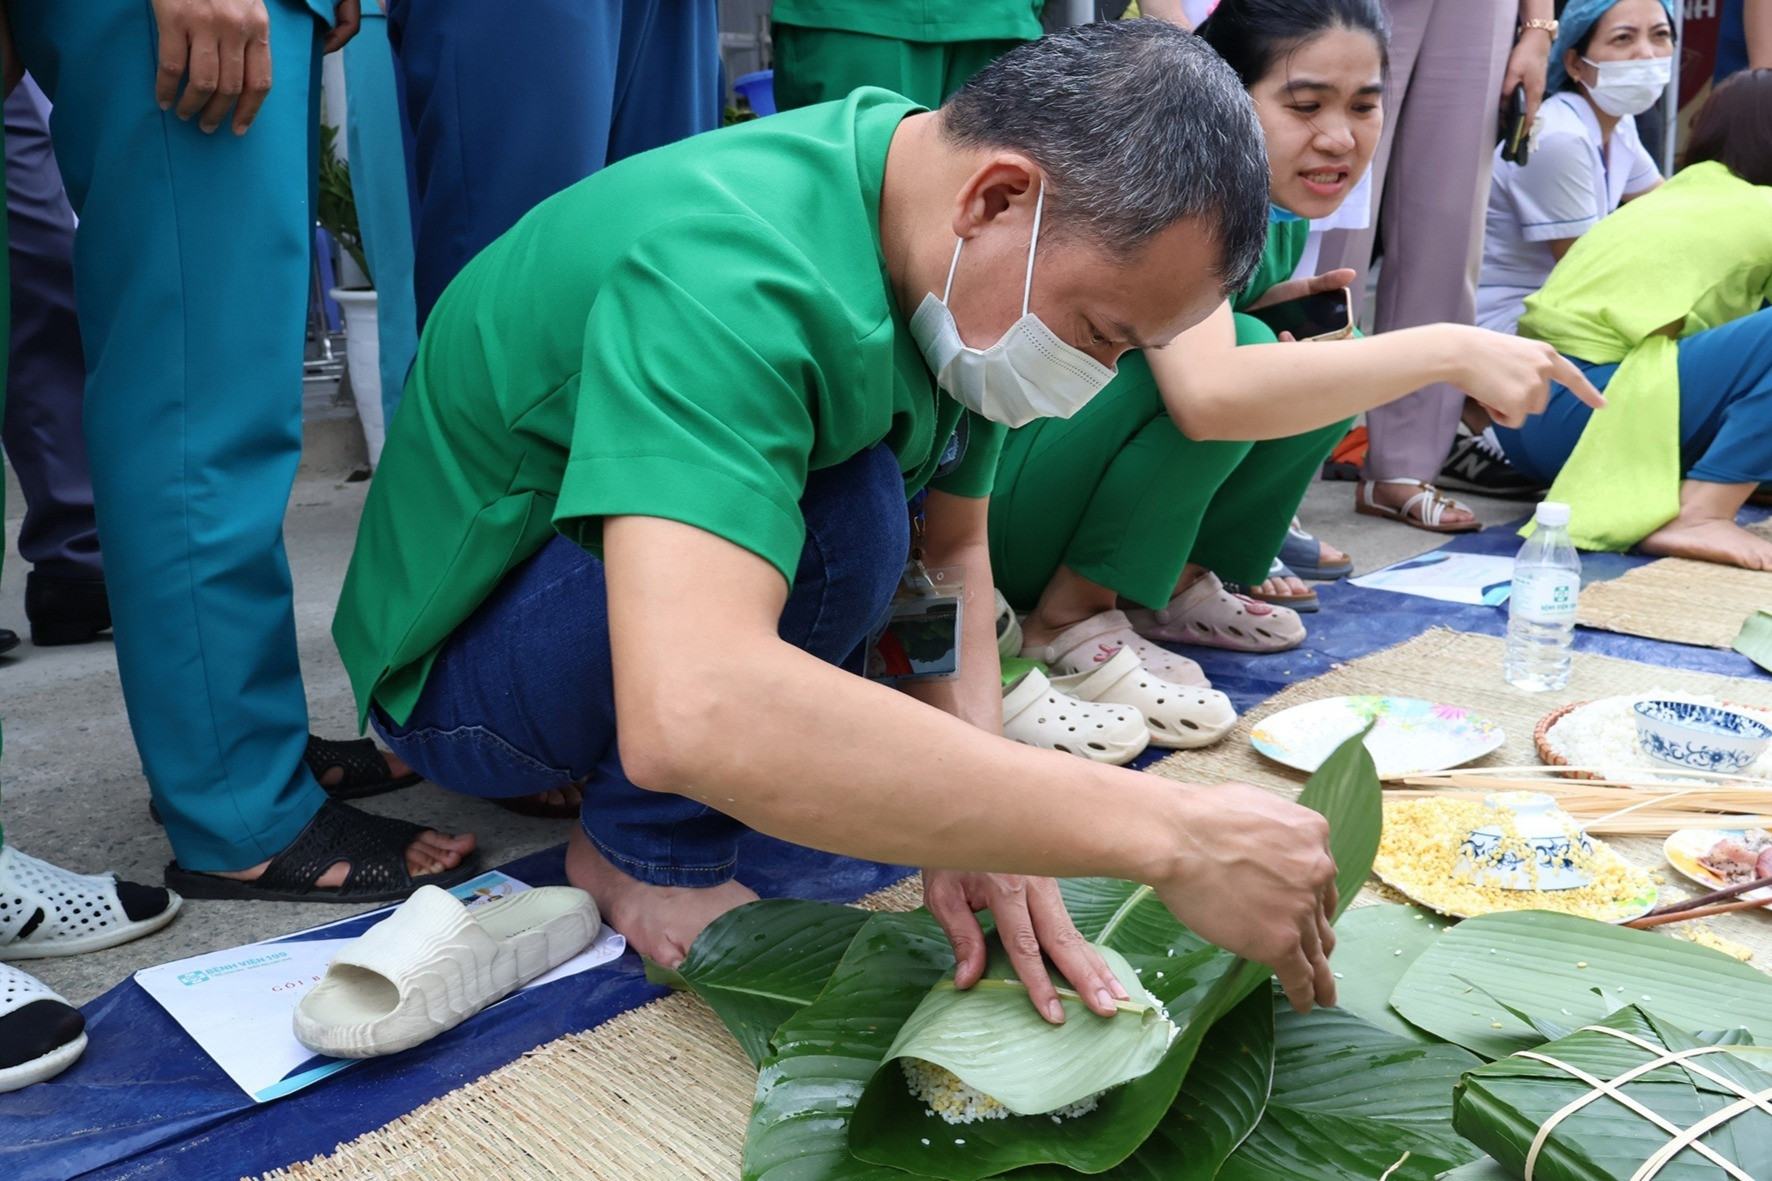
<point x="1206" y="1073"/>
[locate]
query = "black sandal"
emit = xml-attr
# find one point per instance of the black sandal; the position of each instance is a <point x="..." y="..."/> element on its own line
<point x="374" y="845"/>
<point x="365" y="769"/>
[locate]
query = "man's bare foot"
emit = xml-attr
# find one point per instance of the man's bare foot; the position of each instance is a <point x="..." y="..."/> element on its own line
<point x="1717" y="540"/>
<point x="659" y="922"/>
<point x="430" y="852"/>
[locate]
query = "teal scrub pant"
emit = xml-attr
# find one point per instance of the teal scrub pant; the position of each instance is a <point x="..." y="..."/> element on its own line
<point x="191" y="267"/>
<point x="1117" y="494"/>
<point x="821" y="65"/>
<point x="384" y="207"/>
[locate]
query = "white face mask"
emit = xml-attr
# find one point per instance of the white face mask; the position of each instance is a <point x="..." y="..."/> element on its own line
<point x="1029" y="373"/>
<point x="1629" y="87"/>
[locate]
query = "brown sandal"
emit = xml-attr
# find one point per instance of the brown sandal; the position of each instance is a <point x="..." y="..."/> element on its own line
<point x="1430" y="501"/>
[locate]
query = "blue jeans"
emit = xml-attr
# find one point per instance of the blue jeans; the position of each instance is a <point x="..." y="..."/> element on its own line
<point x="1725" y="409"/>
<point x="522" y="696"/>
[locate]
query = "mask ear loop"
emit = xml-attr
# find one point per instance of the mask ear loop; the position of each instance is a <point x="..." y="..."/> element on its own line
<point x="952" y="267"/>
<point x="1027" y="285"/>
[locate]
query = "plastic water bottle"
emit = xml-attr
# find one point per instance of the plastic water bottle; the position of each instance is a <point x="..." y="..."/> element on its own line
<point x="1541" y="609"/>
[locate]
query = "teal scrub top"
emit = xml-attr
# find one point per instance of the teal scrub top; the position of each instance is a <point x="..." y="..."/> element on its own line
<point x="918" y="20"/>
<point x="685" y="334"/>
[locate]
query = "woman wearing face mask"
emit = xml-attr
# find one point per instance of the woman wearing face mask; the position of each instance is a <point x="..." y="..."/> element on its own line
<point x="1613" y="61"/>
<point x="1663" y="305"/>
<point x="1149" y="494"/>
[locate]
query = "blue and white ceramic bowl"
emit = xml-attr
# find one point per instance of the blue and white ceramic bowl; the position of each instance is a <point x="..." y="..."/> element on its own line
<point x="1549" y="854"/>
<point x="1700" y="737"/>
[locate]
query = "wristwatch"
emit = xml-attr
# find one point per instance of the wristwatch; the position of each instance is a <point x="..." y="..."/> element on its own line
<point x="1550" y="27"/>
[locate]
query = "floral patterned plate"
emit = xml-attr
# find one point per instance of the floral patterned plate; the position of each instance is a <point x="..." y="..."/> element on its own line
<point x="1411" y="736"/>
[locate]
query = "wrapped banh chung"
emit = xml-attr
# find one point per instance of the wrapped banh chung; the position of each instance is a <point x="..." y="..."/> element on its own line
<point x="1545" y="1114"/>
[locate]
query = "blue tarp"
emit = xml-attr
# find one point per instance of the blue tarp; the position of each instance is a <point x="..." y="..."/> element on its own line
<point x="146" y="1103"/>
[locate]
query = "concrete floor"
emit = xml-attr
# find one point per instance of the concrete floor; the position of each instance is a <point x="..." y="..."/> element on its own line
<point x="74" y="792"/>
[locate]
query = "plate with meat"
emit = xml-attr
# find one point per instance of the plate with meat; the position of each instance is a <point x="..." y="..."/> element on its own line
<point x="1717" y="858"/>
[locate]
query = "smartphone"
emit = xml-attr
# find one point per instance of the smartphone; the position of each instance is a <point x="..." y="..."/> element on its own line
<point x="1327" y="315"/>
<point x="1516" y="138"/>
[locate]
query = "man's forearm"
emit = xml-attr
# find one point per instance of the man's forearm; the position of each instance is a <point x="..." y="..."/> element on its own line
<point x="727" y="713"/>
<point x="955" y="538"/>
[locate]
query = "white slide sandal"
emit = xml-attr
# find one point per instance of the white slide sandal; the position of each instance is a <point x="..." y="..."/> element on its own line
<point x="434" y="963"/>
<point x="1038" y="713"/>
<point x="1091" y="642"/>
<point x="1179" y="717"/>
<point x="41" y="1035"/>
<point x="48" y="911"/>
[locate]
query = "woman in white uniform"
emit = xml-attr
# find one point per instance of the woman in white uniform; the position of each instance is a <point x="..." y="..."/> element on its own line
<point x="1612" y="62"/>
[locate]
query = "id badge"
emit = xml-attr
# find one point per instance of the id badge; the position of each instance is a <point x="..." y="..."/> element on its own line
<point x="919" y="640"/>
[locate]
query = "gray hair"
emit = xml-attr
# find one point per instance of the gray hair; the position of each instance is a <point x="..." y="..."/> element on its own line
<point x="1137" y="125"/>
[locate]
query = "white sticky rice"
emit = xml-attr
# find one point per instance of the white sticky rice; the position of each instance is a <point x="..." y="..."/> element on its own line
<point x="1603" y="733"/>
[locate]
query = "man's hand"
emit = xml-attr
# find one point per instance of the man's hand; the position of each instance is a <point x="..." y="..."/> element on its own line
<point x="1299" y="288"/>
<point x="347" y="18"/>
<point x="1511" y="375"/>
<point x="1528" y="63"/>
<point x="1256" y="878"/>
<point x="1031" y="919"/>
<point x="221" y="51"/>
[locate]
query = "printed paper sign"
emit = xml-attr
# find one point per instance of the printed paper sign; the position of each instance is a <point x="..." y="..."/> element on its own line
<point x="238" y="1004"/>
<point x="1480" y="580"/>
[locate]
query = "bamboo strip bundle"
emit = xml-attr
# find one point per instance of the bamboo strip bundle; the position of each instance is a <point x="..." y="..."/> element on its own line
<point x="1615" y="809"/>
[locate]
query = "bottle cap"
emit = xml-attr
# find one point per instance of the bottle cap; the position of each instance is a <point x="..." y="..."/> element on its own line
<point x="1552" y="515"/>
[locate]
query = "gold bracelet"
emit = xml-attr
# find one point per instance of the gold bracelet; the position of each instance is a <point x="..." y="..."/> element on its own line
<point x="1550" y="27"/>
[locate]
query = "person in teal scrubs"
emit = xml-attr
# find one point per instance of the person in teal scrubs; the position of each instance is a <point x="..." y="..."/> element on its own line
<point x="383" y="193"/>
<point x="192" y="260"/>
<point x="646" y="498"/>
<point x="826" y="48"/>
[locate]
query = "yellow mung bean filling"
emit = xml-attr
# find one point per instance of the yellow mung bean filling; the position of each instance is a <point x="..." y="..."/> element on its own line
<point x="1419" y="854"/>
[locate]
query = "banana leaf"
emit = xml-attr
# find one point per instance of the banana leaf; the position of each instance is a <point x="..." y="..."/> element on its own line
<point x="1570" y="971"/>
<point x="824" y="1054"/>
<point x="1196" y="982"/>
<point x="808" y="1090"/>
<point x="992" y="1038"/>
<point x="1503" y="1106"/>
<point x="1484" y="1169"/>
<point x="759" y="964"/>
<point x="1349" y="1100"/>
<point x="1374" y="946"/>
<point x="1220" y="1103"/>
<point x="1755" y="639"/>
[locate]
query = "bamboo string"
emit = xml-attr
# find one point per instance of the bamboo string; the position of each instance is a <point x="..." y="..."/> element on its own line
<point x="1610" y="1089"/>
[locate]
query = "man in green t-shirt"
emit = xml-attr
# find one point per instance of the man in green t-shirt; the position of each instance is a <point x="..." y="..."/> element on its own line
<point x="646" y="493"/>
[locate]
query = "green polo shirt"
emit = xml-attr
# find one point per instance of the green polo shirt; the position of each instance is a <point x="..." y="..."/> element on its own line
<point x="918" y="20"/>
<point x="683" y="335"/>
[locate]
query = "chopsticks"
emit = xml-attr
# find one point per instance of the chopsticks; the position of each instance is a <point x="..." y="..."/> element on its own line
<point x="1699" y="912"/>
<point x="1716" y="902"/>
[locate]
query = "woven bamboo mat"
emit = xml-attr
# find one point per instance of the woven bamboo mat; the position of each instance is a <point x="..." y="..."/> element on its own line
<point x="1677" y="599"/>
<point x="660" y="1092"/>
<point x="1464" y="669"/>
<point x="663" y="1092"/>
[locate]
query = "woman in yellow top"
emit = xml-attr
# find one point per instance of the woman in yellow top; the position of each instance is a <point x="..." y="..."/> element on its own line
<point x="1663" y="305"/>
